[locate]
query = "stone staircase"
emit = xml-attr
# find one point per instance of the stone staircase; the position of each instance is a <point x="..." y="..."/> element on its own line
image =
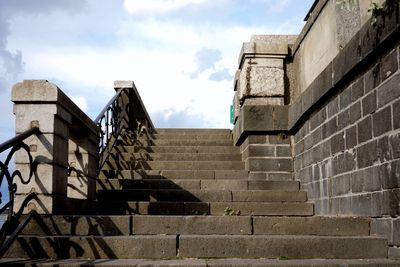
<point x="182" y="197"/>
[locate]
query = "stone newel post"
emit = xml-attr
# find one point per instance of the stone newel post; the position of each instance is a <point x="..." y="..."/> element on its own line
<point x="68" y="138"/>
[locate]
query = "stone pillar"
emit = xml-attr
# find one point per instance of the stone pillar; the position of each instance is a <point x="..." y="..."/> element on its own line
<point x="260" y="113"/>
<point x="64" y="127"/>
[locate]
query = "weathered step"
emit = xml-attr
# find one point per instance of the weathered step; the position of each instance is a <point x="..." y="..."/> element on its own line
<point x="240" y="225"/>
<point x="191" y="131"/>
<point x="189" y="184"/>
<point x="263" y="208"/>
<point x="177" y="157"/>
<point x="178" y="149"/>
<point x="203" y="208"/>
<point x="316" y="225"/>
<point x="178" y="136"/>
<point x="273" y="247"/>
<point x="202" y="195"/>
<point x="207" y="262"/>
<point x="174" y="165"/>
<point x="93" y="247"/>
<point x="78" y="225"/>
<point x="176" y="174"/>
<point x="153" y="208"/>
<point x="179" y="142"/>
<point x="204" y="225"/>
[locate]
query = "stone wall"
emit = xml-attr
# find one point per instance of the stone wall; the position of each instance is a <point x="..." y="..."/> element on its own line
<point x="342" y="117"/>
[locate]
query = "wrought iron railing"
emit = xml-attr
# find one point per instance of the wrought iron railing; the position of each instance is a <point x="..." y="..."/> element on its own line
<point x="109" y="122"/>
<point x="12" y="225"/>
<point x="125" y="111"/>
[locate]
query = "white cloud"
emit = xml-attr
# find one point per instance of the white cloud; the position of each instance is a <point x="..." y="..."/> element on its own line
<point x="141" y="7"/>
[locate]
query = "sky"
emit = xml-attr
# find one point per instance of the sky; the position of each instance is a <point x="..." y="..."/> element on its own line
<point x="181" y="54"/>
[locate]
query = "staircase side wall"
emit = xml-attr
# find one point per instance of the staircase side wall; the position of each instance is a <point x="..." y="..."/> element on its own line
<point x="343" y="123"/>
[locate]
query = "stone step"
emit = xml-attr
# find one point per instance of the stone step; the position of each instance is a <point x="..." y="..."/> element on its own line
<point x="190" y="184"/>
<point x="191" y="131"/>
<point x="176" y="157"/>
<point x="204" y="208"/>
<point x="273" y="247"/>
<point x="93" y="247"/>
<point x="177" y="136"/>
<point x="78" y="225"/>
<point x="199" y="225"/>
<point x="177" y="142"/>
<point x="248" y="225"/>
<point x="204" y="195"/>
<point x="176" y="174"/>
<point x="178" y="261"/>
<point x="174" y="165"/>
<point x="177" y="149"/>
<point x="197" y="246"/>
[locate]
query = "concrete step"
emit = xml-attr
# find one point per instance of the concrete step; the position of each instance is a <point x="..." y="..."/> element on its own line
<point x="177" y="261"/>
<point x="177" y="149"/>
<point x="174" y="165"/>
<point x="190" y="184"/>
<point x="176" y="157"/>
<point x="233" y="262"/>
<point x="176" y="174"/>
<point x="176" y="142"/>
<point x="273" y="247"/>
<point x="204" y="195"/>
<point x="204" y="208"/>
<point x="190" y="131"/>
<point x="93" y="247"/>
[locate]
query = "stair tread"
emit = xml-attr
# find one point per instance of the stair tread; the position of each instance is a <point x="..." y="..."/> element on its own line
<point x="233" y="262"/>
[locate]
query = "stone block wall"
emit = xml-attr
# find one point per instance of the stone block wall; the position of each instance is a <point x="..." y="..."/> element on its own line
<point x="343" y="123"/>
<point x="268" y="157"/>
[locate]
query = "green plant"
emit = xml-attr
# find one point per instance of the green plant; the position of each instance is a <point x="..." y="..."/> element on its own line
<point x="283" y="258"/>
<point x="230" y="212"/>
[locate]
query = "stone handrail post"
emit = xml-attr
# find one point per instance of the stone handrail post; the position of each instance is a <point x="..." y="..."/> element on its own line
<point x="64" y="153"/>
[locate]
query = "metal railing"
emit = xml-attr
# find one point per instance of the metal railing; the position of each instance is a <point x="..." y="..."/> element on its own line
<point x="12" y="225"/>
<point x="109" y="122"/>
<point x="124" y="112"/>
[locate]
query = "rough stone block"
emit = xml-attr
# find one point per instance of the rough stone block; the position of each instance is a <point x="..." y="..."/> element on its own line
<point x="341" y="185"/>
<point x="345" y="98"/>
<point x="367" y="154"/>
<point x="394" y="143"/>
<point x="367" y="180"/>
<point x="317" y="119"/>
<point x="330" y="127"/>
<point x="258" y="151"/>
<point x="382" y="121"/>
<point x="389" y="90"/>
<point x="283" y="151"/>
<point x="394" y="253"/>
<point x="389" y="65"/>
<point x="357" y="90"/>
<point x="333" y="107"/>
<point x="262" y="164"/>
<point x="383" y="227"/>
<point x="396" y="115"/>
<point x="372" y="78"/>
<point x="351" y="137"/>
<point x="338" y="143"/>
<point x="369" y="103"/>
<point x="364" y="129"/>
<point x="279" y="176"/>
<point x="279" y="139"/>
<point x="355" y="112"/>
